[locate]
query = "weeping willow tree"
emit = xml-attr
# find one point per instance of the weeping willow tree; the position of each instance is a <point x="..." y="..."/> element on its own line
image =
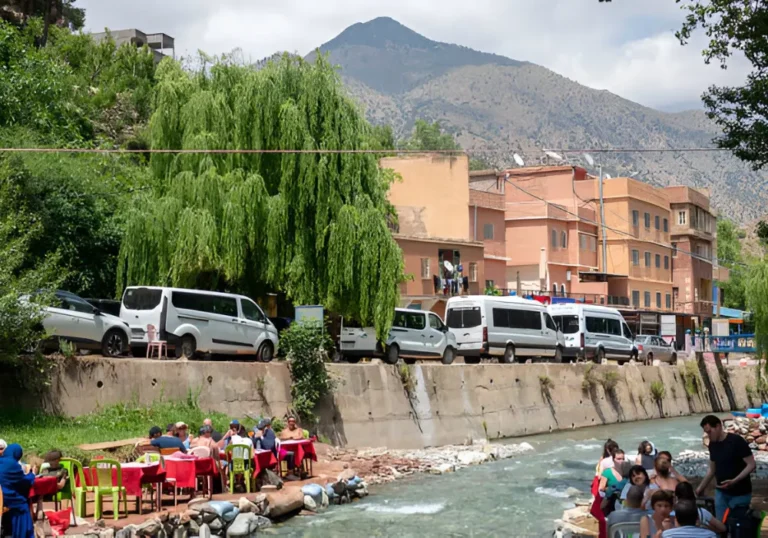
<point x="313" y="225"/>
<point x="757" y="303"/>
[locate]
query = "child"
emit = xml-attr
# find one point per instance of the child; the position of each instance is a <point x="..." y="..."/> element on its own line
<point x="52" y="467"/>
<point x="661" y="504"/>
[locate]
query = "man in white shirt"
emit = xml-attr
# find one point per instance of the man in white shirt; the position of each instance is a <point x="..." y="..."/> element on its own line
<point x="686" y="518"/>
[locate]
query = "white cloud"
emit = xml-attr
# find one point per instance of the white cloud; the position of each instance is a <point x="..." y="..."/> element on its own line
<point x="627" y="47"/>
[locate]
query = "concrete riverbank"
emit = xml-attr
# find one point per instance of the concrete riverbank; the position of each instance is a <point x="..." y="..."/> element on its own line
<point x="409" y="406"/>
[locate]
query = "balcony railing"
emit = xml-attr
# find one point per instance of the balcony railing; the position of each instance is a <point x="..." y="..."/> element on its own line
<point x="560" y="297"/>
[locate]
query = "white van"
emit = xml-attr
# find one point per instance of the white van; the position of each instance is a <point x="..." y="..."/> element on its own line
<point x="196" y="321"/>
<point x="594" y="332"/>
<point x="510" y="328"/>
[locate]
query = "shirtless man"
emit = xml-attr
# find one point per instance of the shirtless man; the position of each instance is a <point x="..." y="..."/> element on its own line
<point x="666" y="478"/>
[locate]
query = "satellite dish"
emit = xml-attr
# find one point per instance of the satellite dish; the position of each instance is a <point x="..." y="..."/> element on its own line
<point x="607" y="176"/>
<point x="589" y="159"/>
<point x="553" y="155"/>
<point x="518" y="159"/>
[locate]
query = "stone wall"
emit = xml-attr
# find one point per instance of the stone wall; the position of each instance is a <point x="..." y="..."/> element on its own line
<point x="406" y="406"/>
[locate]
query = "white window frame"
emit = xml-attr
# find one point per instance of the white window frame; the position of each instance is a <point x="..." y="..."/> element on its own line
<point x="473" y="271"/>
<point x="682" y="217"/>
<point x="426" y="271"/>
<point x="635" y="257"/>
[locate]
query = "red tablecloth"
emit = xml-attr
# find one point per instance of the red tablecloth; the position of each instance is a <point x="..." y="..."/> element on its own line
<point x="185" y="471"/>
<point x="263" y="459"/>
<point x="134" y="475"/>
<point x="301" y="449"/>
<point x="44" y="485"/>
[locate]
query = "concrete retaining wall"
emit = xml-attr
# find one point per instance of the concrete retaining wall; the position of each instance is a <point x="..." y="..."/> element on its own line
<point x="372" y="407"/>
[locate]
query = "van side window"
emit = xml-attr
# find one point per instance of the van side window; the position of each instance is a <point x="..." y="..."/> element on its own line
<point x="550" y="324"/>
<point x="213" y="304"/>
<point x="399" y="320"/>
<point x="613" y="326"/>
<point x="434" y="322"/>
<point x="415" y="321"/>
<point x="142" y="299"/>
<point x="603" y="325"/>
<point x="251" y="311"/>
<point x="627" y="332"/>
<point x="517" y="319"/>
<point x="464" y="318"/>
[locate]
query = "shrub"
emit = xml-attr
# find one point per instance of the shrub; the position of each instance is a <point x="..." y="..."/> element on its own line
<point x="409" y="383"/>
<point x="590" y="378"/>
<point x="657" y="391"/>
<point x="306" y="345"/>
<point x="546" y="382"/>
<point x="67" y="349"/>
<point x="691" y="378"/>
<point x="609" y="381"/>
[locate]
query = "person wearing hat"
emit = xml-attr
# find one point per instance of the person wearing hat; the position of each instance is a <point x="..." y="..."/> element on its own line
<point x="205" y="440"/>
<point x="216" y="436"/>
<point x="236" y="435"/>
<point x="265" y="437"/>
<point x="182" y="432"/>
<point x="169" y="440"/>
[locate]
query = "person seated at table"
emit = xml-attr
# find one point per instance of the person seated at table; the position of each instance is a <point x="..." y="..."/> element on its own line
<point x="216" y="436"/>
<point x="686" y="523"/>
<point x="182" y="432"/>
<point x="265" y="436"/>
<point x="234" y="430"/>
<point x="52" y="467"/>
<point x="684" y="492"/>
<point x="169" y="440"/>
<point x="661" y="504"/>
<point x="205" y="440"/>
<point x="15" y="485"/>
<point x="292" y="431"/>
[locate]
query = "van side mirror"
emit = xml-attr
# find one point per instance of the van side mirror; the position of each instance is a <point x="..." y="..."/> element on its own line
<point x="96" y="311"/>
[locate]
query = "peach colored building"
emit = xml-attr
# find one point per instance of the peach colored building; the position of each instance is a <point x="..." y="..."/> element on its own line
<point x="487" y="224"/>
<point x="432" y="202"/>
<point x="693" y="230"/>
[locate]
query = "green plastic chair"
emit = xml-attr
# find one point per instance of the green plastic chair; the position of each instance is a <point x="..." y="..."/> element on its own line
<point x="106" y="486"/>
<point x="240" y="458"/>
<point x="305" y="434"/>
<point x="72" y="491"/>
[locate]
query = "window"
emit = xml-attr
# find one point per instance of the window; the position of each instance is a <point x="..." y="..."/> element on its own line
<point x="656" y="222"/>
<point x="647" y="220"/>
<point x="74" y="303"/>
<point x="674" y="250"/>
<point x="658" y="261"/>
<point x="425" y="269"/>
<point x="142" y="299"/>
<point x="563" y="239"/>
<point x="252" y="311"/>
<point x="666" y="262"/>
<point x="666" y="225"/>
<point x="592" y="243"/>
<point x="435" y="323"/>
<point x="562" y="289"/>
<point x="567" y="324"/>
<point x="681" y="217"/>
<point x="212" y="304"/>
<point x="603" y="325"/>
<point x="517" y="319"/>
<point x="464" y="318"/>
<point x="658" y="299"/>
<point x="583" y="242"/>
<point x="647" y="259"/>
<point x="416" y="322"/>
<point x="554" y="288"/>
<point x="635" y="298"/>
<point x="635" y="217"/>
<point x="647" y="299"/>
<point x="635" y="257"/>
<point x="554" y="239"/>
<point x="549" y="322"/>
<point x="473" y="272"/>
<point x="669" y="301"/>
<point x="488" y="231"/>
<point x="627" y="333"/>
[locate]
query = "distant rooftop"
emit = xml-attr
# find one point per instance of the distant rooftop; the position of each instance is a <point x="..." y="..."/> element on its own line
<point x="158" y="42"/>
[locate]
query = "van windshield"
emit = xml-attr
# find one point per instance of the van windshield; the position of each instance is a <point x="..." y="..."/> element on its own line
<point x="464" y="318"/>
<point x="141" y="299"/>
<point x="567" y="324"/>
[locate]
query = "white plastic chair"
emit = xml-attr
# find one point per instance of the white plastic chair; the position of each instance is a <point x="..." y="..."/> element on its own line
<point x="624" y="530"/>
<point x="200" y="451"/>
<point x="153" y="343"/>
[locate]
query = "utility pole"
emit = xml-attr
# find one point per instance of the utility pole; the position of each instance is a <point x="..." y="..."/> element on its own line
<point x="602" y="223"/>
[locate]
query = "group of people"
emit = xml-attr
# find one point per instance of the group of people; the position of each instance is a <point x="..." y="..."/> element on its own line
<point x="649" y="491"/>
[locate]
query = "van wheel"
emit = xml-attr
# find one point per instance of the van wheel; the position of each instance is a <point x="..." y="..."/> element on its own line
<point x="509" y="355"/>
<point x="114" y="343"/>
<point x="392" y="355"/>
<point x="266" y="352"/>
<point x="558" y="355"/>
<point x="674" y="359"/>
<point x="448" y="355"/>
<point x="188" y="347"/>
<point x="600" y="355"/>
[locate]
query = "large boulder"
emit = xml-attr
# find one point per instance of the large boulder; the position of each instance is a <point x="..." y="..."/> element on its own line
<point x="285" y="502"/>
<point x="247" y="525"/>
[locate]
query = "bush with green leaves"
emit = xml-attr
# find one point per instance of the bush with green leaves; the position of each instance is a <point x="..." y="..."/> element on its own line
<point x="307" y="345"/>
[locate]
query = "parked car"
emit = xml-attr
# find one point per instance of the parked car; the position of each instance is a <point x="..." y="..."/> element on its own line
<point x="77" y="321"/>
<point x="650" y="348"/>
<point x="509" y="328"/>
<point x="594" y="332"/>
<point x="194" y="322"/>
<point x="415" y="334"/>
<point x="110" y="306"/>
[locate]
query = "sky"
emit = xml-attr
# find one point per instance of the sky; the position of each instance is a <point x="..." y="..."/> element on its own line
<point x="627" y="47"/>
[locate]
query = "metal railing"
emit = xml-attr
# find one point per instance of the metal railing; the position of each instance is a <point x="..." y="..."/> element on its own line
<point x="589" y="298"/>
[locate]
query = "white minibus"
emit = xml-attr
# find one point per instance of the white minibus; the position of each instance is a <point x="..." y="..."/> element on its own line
<point x="594" y="332"/>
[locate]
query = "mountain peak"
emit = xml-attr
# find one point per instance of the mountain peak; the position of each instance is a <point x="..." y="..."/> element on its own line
<point x="379" y="32"/>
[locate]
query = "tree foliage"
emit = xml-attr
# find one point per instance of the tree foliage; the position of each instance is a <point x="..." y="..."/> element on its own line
<point x="735" y="26"/>
<point x="61" y="12"/>
<point x="429" y="137"/>
<point x="311" y="224"/>
<point x="729" y="255"/>
<point x="757" y="302"/>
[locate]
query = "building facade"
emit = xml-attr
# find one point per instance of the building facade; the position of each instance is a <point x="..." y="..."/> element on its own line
<point x="160" y="44"/>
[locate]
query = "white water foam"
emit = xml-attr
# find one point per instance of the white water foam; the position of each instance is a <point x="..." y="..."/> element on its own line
<point x="588" y="447"/>
<point x="686" y="439"/>
<point x="552" y="492"/>
<point x="557" y="473"/>
<point x="407" y="510"/>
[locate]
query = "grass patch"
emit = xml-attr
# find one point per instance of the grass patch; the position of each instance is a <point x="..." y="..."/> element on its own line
<point x="658" y="391"/>
<point x="590" y="380"/>
<point x="409" y="383"/>
<point x="38" y="432"/>
<point x="609" y="382"/>
<point x="691" y="378"/>
<point x="546" y="384"/>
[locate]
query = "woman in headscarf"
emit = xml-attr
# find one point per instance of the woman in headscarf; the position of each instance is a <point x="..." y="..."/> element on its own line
<point x="16" y="484"/>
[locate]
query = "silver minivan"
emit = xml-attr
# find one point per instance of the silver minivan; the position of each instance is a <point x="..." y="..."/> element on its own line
<point x="594" y="332"/>
<point x="415" y="334"/>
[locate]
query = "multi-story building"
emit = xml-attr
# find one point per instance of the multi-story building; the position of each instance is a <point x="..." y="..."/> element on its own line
<point x="694" y="247"/>
<point x="487" y="224"/>
<point x="433" y="231"/>
<point x="159" y="44"/>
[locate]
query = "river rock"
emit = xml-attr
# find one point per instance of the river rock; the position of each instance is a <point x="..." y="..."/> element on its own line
<point x="194" y="528"/>
<point x="149" y="528"/>
<point x="180" y="532"/>
<point x="443" y="468"/>
<point x="285" y="501"/>
<point x="472" y="458"/>
<point x="205" y="531"/>
<point x="245" y="525"/>
<point x="572" y="492"/>
<point x="217" y="525"/>
<point x="309" y="503"/>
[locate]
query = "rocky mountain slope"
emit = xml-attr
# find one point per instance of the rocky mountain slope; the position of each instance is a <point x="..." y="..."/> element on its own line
<point x="496" y="106"/>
